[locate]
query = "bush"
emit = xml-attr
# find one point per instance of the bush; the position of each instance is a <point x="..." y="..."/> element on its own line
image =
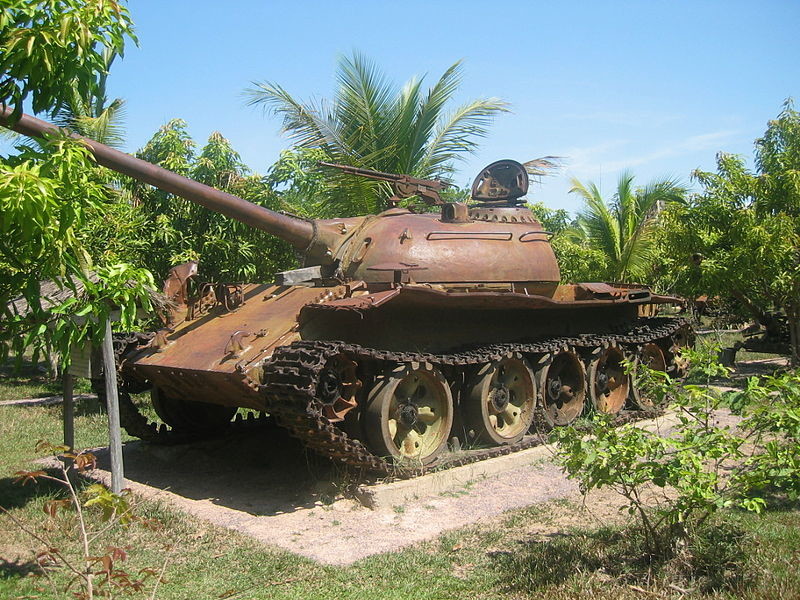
<point x="674" y="479"/>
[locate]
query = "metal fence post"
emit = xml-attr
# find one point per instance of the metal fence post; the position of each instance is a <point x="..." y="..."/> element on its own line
<point x="68" y="407"/>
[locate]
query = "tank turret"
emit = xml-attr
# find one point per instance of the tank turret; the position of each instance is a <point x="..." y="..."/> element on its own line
<point x="497" y="241"/>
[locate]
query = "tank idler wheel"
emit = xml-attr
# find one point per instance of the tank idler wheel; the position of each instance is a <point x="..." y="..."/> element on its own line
<point x="563" y="388"/>
<point x="652" y="357"/>
<point x="409" y="415"/>
<point x="608" y="383"/>
<point x="501" y="401"/>
<point x="338" y="388"/>
<point x="191" y="417"/>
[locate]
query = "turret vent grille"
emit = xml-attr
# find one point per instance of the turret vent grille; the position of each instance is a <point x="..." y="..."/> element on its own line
<point x="503" y="215"/>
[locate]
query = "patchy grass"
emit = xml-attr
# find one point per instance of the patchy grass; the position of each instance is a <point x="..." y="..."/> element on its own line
<point x="499" y="561"/>
<point x="22" y="426"/>
<point x="509" y="559"/>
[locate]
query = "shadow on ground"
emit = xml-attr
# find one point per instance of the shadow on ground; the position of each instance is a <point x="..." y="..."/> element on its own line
<point x="13" y="494"/>
<point x="758" y="368"/>
<point x="743" y="370"/>
<point x="260" y="471"/>
<point x="17" y="569"/>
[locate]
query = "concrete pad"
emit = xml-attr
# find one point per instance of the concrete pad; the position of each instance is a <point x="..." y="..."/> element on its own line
<point x="344" y="531"/>
<point x="265" y="485"/>
<point x="382" y="495"/>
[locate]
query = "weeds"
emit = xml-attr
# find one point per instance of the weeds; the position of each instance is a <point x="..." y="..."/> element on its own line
<point x="95" y="572"/>
<point x="716" y="561"/>
<point x="674" y="481"/>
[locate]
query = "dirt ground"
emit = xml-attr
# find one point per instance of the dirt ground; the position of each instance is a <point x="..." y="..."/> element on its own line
<point x="263" y="484"/>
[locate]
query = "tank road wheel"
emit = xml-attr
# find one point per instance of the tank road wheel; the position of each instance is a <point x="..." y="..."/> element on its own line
<point x="563" y="388"/>
<point x="338" y="387"/>
<point x="191" y="417"/>
<point x="409" y="415"/>
<point x="652" y="357"/>
<point x="608" y="383"/>
<point x="501" y="401"/>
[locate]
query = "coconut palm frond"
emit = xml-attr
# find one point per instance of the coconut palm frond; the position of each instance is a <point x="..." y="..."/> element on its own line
<point x="106" y="127"/>
<point x="601" y="228"/>
<point x="363" y="103"/>
<point x="405" y="124"/>
<point x="622" y="229"/>
<point x="544" y="166"/>
<point x="302" y="122"/>
<point x="428" y="113"/>
<point x="457" y="134"/>
<point x="372" y="123"/>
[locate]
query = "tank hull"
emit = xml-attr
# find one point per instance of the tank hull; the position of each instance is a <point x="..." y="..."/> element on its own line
<point x="425" y="319"/>
<point x="219" y="356"/>
<point x="215" y="358"/>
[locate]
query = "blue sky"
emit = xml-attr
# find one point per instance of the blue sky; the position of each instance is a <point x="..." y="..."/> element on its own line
<point x="657" y="87"/>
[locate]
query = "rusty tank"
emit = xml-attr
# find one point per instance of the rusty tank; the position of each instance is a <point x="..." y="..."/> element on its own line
<point x="402" y="337"/>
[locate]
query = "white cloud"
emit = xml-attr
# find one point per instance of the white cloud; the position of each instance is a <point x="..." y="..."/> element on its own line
<point x="603" y="156"/>
<point x="587" y="157"/>
<point x="695" y="143"/>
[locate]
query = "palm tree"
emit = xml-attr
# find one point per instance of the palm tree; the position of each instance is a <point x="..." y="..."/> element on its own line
<point x="94" y="116"/>
<point x="370" y="123"/>
<point x="622" y="229"/>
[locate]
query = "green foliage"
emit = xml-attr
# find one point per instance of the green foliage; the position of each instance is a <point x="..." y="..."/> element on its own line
<point x="177" y="230"/>
<point x="741" y="236"/>
<point x="577" y="259"/>
<point x="110" y="504"/>
<point x="673" y="481"/>
<point x="370" y="123"/>
<point x="772" y="410"/>
<point x="94" y="116"/>
<point x="297" y="180"/>
<point x="53" y="52"/>
<point x="47" y="196"/>
<point x="617" y="557"/>
<point x="52" y="48"/>
<point x="623" y="230"/>
<point x="94" y="572"/>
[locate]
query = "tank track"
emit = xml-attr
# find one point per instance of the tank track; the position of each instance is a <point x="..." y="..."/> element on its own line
<point x="291" y="376"/>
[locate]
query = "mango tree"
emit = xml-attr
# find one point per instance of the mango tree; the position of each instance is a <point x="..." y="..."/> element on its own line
<point x="740" y="237"/>
<point x="50" y="50"/>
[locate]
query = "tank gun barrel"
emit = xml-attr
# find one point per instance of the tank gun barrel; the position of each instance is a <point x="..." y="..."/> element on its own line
<point x="296" y="231"/>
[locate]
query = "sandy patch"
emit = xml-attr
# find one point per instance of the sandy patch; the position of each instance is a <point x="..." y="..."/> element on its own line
<point x="263" y="484"/>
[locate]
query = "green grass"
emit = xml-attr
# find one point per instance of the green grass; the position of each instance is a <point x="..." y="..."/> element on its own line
<point x="501" y="560"/>
<point x="32" y="381"/>
<point x="727" y="340"/>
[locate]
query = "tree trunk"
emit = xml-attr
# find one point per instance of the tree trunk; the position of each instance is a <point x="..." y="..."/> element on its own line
<point x="759" y="315"/>
<point x="794" y="335"/>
